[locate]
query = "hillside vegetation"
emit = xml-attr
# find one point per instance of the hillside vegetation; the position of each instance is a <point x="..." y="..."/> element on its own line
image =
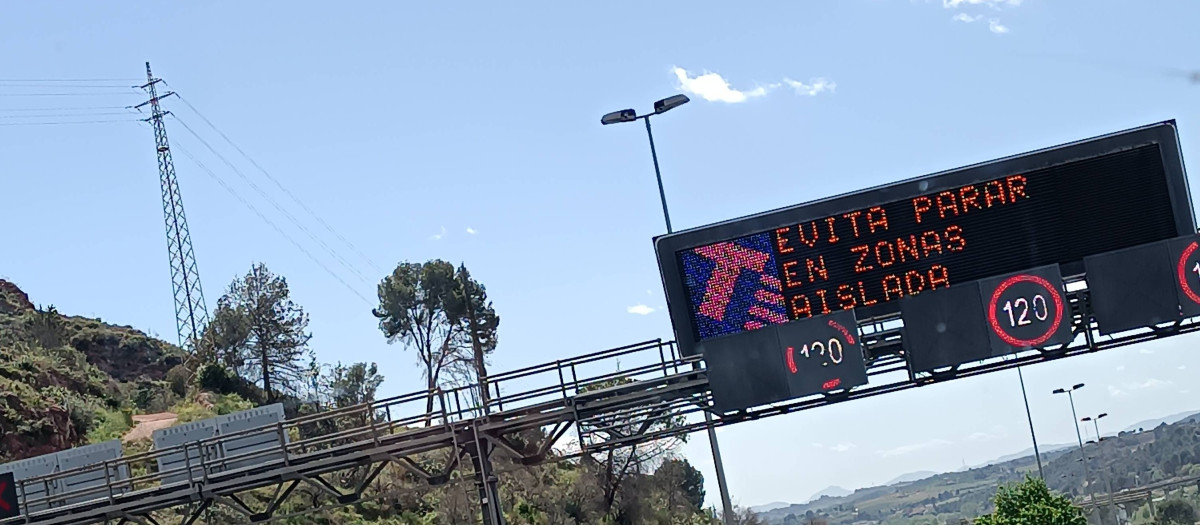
<point x="1126" y="461"/>
<point x="67" y="381"/>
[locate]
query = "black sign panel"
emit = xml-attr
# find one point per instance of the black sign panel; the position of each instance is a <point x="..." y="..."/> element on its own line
<point x="745" y="371"/>
<point x="1185" y="256"/>
<point x="1132" y="288"/>
<point x="8" y="496"/>
<point x="777" y="363"/>
<point x="867" y="250"/>
<point x="822" y="354"/>
<point x="1026" y="310"/>
<point x="945" y="328"/>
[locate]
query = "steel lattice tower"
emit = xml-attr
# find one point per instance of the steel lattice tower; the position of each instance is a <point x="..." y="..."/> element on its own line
<point x="191" y="315"/>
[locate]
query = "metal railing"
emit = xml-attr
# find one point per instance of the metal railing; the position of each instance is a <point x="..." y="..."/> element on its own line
<point x="314" y="443"/>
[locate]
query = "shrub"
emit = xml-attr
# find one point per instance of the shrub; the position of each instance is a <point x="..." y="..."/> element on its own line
<point x="218" y="379"/>
<point x="178" y="377"/>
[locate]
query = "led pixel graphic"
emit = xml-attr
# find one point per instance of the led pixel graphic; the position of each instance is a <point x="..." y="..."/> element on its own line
<point x="732" y="286"/>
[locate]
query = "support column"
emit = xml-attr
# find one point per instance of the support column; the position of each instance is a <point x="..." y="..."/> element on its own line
<point x="480" y="450"/>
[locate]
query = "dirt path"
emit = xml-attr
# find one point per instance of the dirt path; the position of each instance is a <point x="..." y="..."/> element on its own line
<point x="145" y="424"/>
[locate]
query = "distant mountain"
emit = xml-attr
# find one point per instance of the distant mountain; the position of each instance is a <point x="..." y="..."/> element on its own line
<point x="832" y="492"/>
<point x="770" y="506"/>
<point x="1044" y="449"/>
<point x="1150" y="424"/>
<point x="912" y="476"/>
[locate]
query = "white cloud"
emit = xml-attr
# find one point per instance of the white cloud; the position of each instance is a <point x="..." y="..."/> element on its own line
<point x="1145" y="351"/>
<point x="1181" y="367"/>
<point x="471" y="230"/>
<point x="1155" y="383"/>
<point x="816" y="86"/>
<point x="986" y="436"/>
<point x="963" y="17"/>
<point x="438" y="236"/>
<point x="714" y="88"/>
<point x="840" y="447"/>
<point x="1120" y="368"/>
<point x="995" y="26"/>
<point x="711" y="87"/>
<point x="640" y="309"/>
<point x="1149" y="383"/>
<point x="908" y="449"/>
<point x="995" y="4"/>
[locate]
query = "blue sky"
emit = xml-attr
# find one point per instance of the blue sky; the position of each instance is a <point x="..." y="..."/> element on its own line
<point x="407" y="127"/>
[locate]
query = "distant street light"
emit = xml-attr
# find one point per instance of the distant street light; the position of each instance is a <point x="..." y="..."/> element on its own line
<point x="1069" y="392"/>
<point x="1099" y="453"/>
<point x="1096" y="422"/>
<point x="1074" y="421"/>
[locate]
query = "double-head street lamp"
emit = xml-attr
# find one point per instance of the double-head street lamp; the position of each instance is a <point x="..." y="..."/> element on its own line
<point x="1096" y="422"/>
<point x="1068" y="392"/>
<point x="629" y="115"/>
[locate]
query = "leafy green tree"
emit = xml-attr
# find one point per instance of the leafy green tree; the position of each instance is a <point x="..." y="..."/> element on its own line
<point x="482" y="325"/>
<point x="680" y="478"/>
<point x="1176" y="512"/>
<point x="354" y="385"/>
<point x="1031" y="502"/>
<point x="261" y="333"/>
<point x="422" y="306"/>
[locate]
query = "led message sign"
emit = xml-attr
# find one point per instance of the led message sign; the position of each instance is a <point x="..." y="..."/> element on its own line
<point x="866" y="250"/>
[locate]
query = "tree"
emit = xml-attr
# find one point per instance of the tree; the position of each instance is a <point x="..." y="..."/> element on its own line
<point x="46" y="327"/>
<point x="353" y="385"/>
<point x="680" y="478"/>
<point x="1031" y="502"/>
<point x="259" y="332"/>
<point x="614" y="467"/>
<point x="421" y="305"/>
<point x="1176" y="512"/>
<point x="482" y="324"/>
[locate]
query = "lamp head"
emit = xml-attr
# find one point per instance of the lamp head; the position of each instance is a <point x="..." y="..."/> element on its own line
<point x="624" y="115"/>
<point x="670" y="103"/>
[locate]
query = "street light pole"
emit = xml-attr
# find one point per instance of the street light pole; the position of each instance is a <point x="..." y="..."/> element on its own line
<point x="1036" y="454"/>
<point x="1100" y="454"/>
<point x="1075" y="421"/>
<point x="629" y="115"/>
<point x="658" y="174"/>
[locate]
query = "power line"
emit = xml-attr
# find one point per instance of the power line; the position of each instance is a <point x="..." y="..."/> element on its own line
<point x="71" y="80"/>
<point x="65" y="115"/>
<point x="65" y="122"/>
<point x="75" y="108"/>
<point x="124" y="94"/>
<point x="281" y="186"/>
<point x="276" y="205"/>
<point x="269" y="222"/>
<point x="68" y="86"/>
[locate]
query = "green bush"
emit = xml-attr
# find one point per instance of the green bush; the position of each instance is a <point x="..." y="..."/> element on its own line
<point x="110" y="424"/>
<point x="216" y="378"/>
<point x="178" y="377"/>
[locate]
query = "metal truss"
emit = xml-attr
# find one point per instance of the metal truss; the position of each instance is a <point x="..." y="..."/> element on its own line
<point x="626" y="397"/>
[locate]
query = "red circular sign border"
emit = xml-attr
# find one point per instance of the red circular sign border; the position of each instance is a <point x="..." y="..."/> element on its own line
<point x="1181" y="269"/>
<point x="1058" y="304"/>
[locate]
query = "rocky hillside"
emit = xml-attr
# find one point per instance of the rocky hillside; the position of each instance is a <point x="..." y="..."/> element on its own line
<point x="65" y="377"/>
